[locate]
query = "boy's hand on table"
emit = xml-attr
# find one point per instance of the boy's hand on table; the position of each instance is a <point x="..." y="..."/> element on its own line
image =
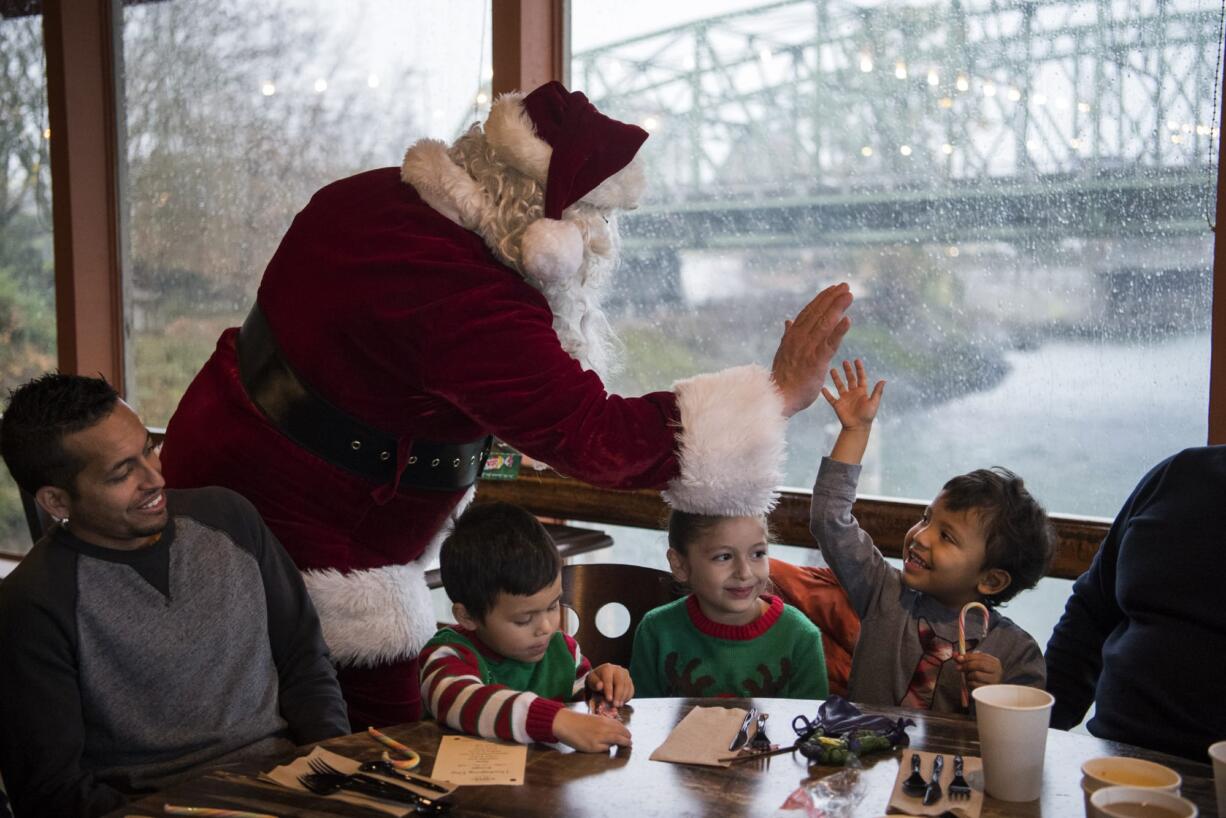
<point x="589" y="734"/>
<point x="613" y="682"/>
<point x="979" y="669"/>
<point x="855" y="405"/>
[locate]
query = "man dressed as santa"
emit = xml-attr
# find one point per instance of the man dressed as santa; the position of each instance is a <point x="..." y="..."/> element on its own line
<point x="409" y="314"/>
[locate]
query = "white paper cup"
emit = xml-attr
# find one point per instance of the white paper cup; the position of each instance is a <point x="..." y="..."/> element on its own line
<point x="1013" y="724"/>
<point x="1217" y="752"/>
<point x="1139" y="802"/>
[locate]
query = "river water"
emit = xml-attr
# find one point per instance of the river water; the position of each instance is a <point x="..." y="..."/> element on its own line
<point x="1080" y="420"/>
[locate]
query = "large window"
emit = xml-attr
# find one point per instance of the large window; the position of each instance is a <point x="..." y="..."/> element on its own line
<point x="1017" y="194"/>
<point x="27" y="294"/>
<point x="235" y="112"/>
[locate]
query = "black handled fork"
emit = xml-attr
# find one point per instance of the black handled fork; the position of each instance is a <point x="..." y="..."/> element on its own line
<point x="959" y="790"/>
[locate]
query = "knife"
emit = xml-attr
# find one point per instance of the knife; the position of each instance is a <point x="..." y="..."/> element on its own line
<point x="742" y="735"/>
<point x="933" y="793"/>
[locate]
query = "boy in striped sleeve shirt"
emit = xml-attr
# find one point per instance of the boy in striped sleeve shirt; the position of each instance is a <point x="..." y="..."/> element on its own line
<point x="506" y="668"/>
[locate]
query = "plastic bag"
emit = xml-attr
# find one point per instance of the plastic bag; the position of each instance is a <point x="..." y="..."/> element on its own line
<point x="834" y="796"/>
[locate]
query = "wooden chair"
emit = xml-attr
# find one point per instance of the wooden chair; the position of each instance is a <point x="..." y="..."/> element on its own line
<point x="818" y="595"/>
<point x="586" y="589"/>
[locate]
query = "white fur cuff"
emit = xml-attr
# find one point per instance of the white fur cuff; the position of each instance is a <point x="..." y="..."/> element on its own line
<point x="375" y="616"/>
<point x="379" y="615"/>
<point x="731" y="444"/>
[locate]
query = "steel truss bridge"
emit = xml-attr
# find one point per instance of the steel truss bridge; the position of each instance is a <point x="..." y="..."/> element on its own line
<point x="803" y="121"/>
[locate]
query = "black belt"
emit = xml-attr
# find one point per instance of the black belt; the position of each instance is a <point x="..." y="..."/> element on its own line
<point x="316" y="425"/>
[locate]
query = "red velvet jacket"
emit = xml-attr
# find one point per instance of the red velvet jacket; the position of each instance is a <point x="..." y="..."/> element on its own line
<point x="403" y="318"/>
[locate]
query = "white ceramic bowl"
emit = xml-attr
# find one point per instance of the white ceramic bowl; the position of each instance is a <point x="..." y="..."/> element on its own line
<point x="1139" y="802"/>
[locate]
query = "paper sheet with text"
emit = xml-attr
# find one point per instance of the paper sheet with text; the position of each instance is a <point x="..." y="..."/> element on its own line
<point x="475" y="762"/>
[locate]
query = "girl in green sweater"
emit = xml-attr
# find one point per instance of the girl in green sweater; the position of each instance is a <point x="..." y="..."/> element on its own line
<point x="728" y="637"/>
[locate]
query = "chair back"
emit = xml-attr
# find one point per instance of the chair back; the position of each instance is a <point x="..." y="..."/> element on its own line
<point x="587" y="589"/>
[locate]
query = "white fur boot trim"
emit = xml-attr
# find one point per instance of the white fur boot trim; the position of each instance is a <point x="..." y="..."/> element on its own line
<point x="731" y="443"/>
<point x="552" y="250"/>
<point x="379" y="615"/>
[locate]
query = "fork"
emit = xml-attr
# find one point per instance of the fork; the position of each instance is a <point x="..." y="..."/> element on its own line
<point x="326" y="780"/>
<point x="958" y="788"/>
<point x="760" y="743"/>
<point x="321" y="767"/>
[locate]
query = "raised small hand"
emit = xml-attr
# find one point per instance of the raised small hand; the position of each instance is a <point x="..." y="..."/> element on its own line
<point x="855" y="405"/>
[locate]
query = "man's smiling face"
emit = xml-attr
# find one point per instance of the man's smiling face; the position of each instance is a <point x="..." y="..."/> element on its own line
<point x="117" y="499"/>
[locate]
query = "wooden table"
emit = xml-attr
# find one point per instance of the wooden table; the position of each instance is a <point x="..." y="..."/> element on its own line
<point x="627" y="784"/>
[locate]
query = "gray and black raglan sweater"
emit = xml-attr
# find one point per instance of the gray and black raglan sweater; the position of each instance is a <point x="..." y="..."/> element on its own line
<point x="123" y="671"/>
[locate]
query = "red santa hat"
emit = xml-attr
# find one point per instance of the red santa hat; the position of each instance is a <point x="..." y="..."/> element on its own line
<point x="556" y="137"/>
<point x="559" y="138"/>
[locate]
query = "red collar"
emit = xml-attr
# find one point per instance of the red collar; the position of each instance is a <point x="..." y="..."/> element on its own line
<point x="482" y="648"/>
<point x="753" y="630"/>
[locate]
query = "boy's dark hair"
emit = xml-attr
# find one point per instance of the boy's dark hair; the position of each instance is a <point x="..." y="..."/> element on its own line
<point x="38" y="416"/>
<point x="496" y="548"/>
<point x="684" y="527"/>
<point x="1017" y="535"/>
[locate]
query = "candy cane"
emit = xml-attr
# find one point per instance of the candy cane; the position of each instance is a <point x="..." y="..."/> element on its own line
<point x="970" y="606"/>
<point x="209" y="812"/>
<point x="408" y="758"/>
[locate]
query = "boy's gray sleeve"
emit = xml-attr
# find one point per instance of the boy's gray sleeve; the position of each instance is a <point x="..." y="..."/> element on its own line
<point x="848" y="550"/>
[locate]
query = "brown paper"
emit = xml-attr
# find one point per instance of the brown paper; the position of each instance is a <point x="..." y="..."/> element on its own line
<point x="972" y="771"/>
<point x="287" y="776"/>
<point x="702" y="737"/>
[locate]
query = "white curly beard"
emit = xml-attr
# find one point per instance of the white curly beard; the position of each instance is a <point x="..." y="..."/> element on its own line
<point x="578" y="317"/>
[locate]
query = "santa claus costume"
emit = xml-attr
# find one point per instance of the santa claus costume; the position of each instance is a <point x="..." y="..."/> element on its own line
<point x="408" y="314"/>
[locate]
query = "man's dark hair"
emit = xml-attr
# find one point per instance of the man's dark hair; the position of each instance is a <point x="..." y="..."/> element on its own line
<point x="1018" y="537"/>
<point x="38" y="416"/>
<point x="496" y="548"/>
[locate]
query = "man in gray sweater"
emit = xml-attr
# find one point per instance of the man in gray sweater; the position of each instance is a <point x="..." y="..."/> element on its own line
<point x="151" y="633"/>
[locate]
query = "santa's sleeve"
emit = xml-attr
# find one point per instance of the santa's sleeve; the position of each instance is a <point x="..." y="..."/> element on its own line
<point x="714" y="443"/>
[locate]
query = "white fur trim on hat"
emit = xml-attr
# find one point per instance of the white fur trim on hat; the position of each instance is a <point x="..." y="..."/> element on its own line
<point x="444" y="185"/>
<point x="622" y="190"/>
<point x="731" y="443"/>
<point x="552" y="250"/>
<point x="510" y="131"/>
<point x="379" y="615"/>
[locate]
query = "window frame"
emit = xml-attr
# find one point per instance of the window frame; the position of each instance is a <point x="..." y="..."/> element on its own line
<point x="530" y="46"/>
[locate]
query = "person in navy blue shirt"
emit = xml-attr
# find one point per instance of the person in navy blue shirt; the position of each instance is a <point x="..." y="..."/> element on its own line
<point x="1143" y="636"/>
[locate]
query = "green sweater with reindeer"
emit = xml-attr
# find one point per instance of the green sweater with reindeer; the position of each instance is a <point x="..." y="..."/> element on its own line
<point x="678" y="651"/>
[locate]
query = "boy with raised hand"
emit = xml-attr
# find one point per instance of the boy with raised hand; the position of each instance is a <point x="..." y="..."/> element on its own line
<point x="506" y="668"/>
<point x="983" y="539"/>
